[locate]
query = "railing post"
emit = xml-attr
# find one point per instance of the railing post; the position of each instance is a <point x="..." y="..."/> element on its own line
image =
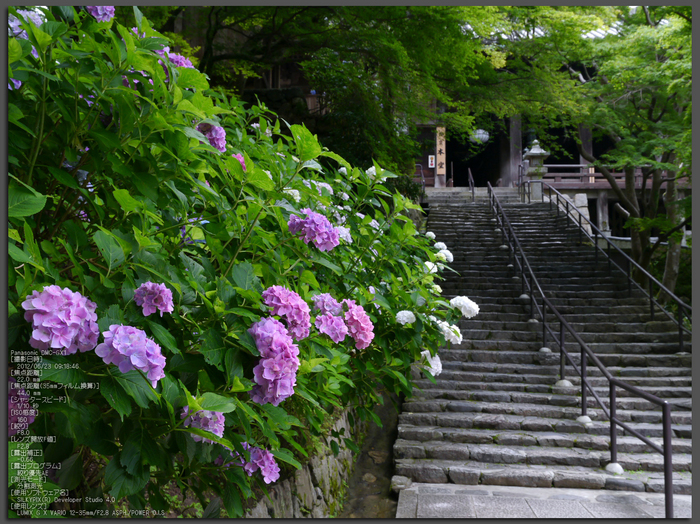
<point x="596" y="247"/>
<point x="584" y="379"/>
<point x="651" y="298"/>
<point x="668" y="457"/>
<point x="609" y="259"/>
<point x="532" y="298"/>
<point x="557" y="205"/>
<point x="613" y="429"/>
<point x="680" y="326"/>
<point x="562" y="359"/>
<point x="544" y="323"/>
<point x="580" y="230"/>
<point x="522" y="274"/>
<point x="629" y="278"/>
<point x="550" y="197"/>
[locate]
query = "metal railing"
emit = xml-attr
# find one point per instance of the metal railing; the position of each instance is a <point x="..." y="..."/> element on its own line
<point x="471" y="183"/>
<point x="422" y="182"/>
<point x="529" y="281"/>
<point x="684" y="310"/>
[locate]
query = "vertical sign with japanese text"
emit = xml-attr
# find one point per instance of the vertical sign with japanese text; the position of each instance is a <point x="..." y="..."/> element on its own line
<point x="441" y="156"/>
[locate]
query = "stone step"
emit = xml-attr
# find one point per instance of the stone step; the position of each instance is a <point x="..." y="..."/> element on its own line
<point x="629" y="408"/>
<point x="471" y="472"/>
<point x="533" y="438"/>
<point x="535" y="334"/>
<point x="599" y="348"/>
<point x="594" y="326"/>
<point x="534" y="455"/>
<point x="544" y="404"/>
<point x="500" y="421"/>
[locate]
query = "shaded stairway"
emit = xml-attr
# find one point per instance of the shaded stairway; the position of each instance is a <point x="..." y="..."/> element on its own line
<point x="495" y="415"/>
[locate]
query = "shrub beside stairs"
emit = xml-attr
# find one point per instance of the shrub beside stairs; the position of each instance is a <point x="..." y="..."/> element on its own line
<point x="496" y="415"/>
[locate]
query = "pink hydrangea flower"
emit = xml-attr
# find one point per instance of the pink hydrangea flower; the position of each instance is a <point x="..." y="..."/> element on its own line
<point x="61" y="318"/>
<point x="180" y="61"/>
<point x="315" y="227"/>
<point x="292" y="307"/>
<point x="275" y="374"/>
<point x="264" y="461"/>
<point x="240" y="158"/>
<point x="332" y="326"/>
<point x="130" y="348"/>
<point x="18" y="406"/>
<point x="359" y="324"/>
<point x="215" y="134"/>
<point x="212" y="421"/>
<point x="325" y="303"/>
<point x="102" y="13"/>
<point x="154" y="297"/>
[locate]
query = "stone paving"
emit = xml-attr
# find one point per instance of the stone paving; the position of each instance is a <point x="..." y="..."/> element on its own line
<point x="498" y="415"/>
<point x="419" y="500"/>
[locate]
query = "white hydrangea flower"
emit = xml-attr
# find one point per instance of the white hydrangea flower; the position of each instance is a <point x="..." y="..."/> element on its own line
<point x="344" y="234"/>
<point x="347" y="208"/>
<point x="436" y="289"/>
<point x="372" y="172"/>
<point x="441" y="256"/>
<point x="432" y="318"/>
<point x="320" y="185"/>
<point x="268" y="132"/>
<point x="255" y="125"/>
<point x="432" y="364"/>
<point x="345" y="196"/>
<point x="440" y="246"/>
<point x="405" y="317"/>
<point x="374" y="224"/>
<point x="371" y="289"/>
<point x="445" y="254"/>
<point x="430" y="235"/>
<point x="360" y="216"/>
<point x="294" y="194"/>
<point x="432" y="268"/>
<point x="343" y="171"/>
<point x="267" y="173"/>
<point x="468" y="307"/>
<point x="451" y="333"/>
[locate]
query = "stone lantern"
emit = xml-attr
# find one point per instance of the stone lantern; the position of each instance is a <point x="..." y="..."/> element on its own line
<point x="536" y="170"/>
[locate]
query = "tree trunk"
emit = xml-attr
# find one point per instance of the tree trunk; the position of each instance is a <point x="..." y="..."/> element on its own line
<point x="673" y="252"/>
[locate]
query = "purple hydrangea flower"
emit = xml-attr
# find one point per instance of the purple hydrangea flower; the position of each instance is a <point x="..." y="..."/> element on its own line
<point x="180" y="61"/>
<point x="130" y="348"/>
<point x="215" y="134"/>
<point x="61" y="318"/>
<point x="359" y="324"/>
<point x="275" y="374"/>
<point x="212" y="421"/>
<point x="315" y="227"/>
<point x="332" y="326"/>
<point x="154" y="297"/>
<point x="292" y="307"/>
<point x="102" y="13"/>
<point x="15" y="26"/>
<point x="14" y="84"/>
<point x="264" y="461"/>
<point x="240" y="158"/>
<point x="18" y="406"/>
<point x="327" y="304"/>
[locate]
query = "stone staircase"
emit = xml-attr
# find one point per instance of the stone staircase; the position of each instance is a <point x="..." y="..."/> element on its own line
<point x="459" y="196"/>
<point x="496" y="415"/>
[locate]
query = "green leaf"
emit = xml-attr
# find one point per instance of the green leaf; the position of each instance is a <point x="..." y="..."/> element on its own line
<point x="42" y="39"/>
<point x="232" y="501"/>
<point x="286" y="456"/>
<point x="64" y="178"/>
<point x="213" y="509"/>
<point x="138" y="448"/>
<point x="213" y="402"/>
<point x="14" y="50"/>
<point x="71" y="472"/>
<point x="110" y="249"/>
<point x="259" y="178"/>
<point x="320" y="259"/>
<point x="121" y="482"/>
<point x="126" y="201"/>
<point x="136" y="386"/>
<point x="17" y="254"/>
<point x="115" y="396"/>
<point x="192" y="78"/>
<point x="23" y="201"/>
<point x="213" y="347"/>
<point x="164" y="337"/>
<point x="56" y="369"/>
<point x="243" y="275"/>
<point x="307" y="144"/>
<point x="139" y="17"/>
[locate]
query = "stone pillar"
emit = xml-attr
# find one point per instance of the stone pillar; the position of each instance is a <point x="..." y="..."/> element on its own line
<point x="602" y="212"/>
<point x="516" y="150"/>
<point x="440" y="157"/>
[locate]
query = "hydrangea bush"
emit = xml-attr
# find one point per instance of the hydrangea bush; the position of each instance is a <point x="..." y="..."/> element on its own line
<point x="287" y="283"/>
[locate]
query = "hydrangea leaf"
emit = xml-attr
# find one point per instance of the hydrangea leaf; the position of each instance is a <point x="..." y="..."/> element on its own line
<point x="23" y="201"/>
<point x="136" y="386"/>
<point x="307" y="144"/>
<point x="213" y="402"/>
<point x="163" y="336"/>
<point x="115" y="396"/>
<point x="122" y="483"/>
<point x="55" y="369"/>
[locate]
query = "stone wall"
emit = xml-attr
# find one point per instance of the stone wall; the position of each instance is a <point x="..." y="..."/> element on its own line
<point x="316" y="490"/>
